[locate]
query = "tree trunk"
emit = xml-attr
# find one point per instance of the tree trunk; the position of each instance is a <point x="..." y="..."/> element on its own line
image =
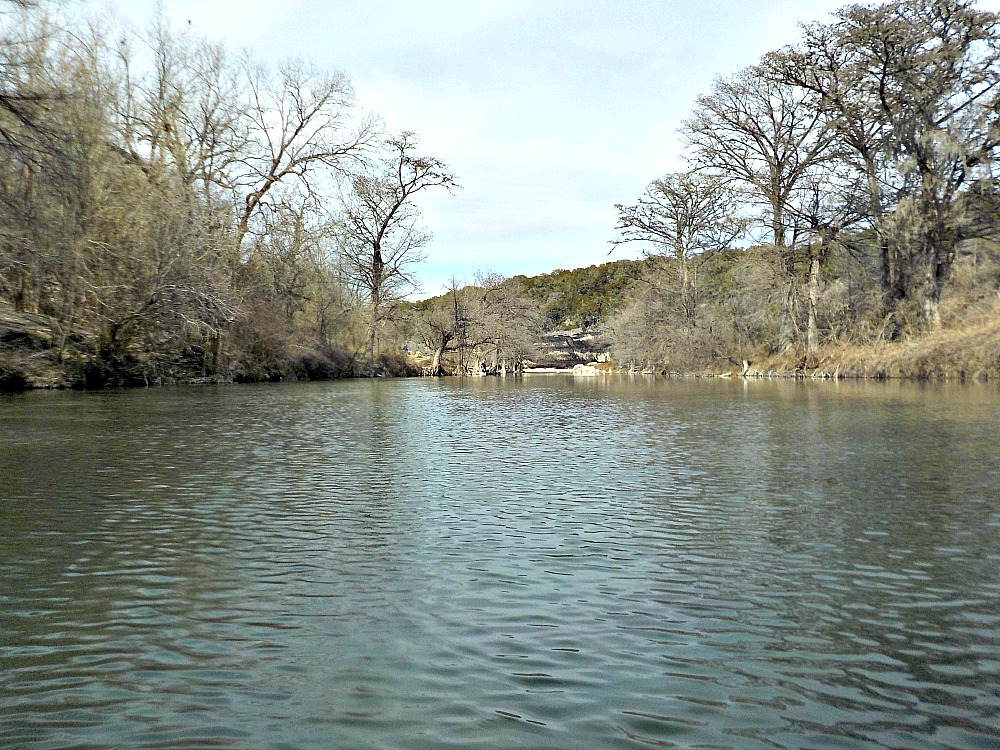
<point x="685" y="287"/>
<point x="216" y="352"/>
<point x="812" y="330"/>
<point x="371" y="345"/>
<point x="786" y="324"/>
<point x="930" y="308"/>
<point x="375" y="306"/>
<point x="898" y="277"/>
<point x="890" y="290"/>
<point x="436" y="361"/>
<point x="942" y="255"/>
<point x="930" y="302"/>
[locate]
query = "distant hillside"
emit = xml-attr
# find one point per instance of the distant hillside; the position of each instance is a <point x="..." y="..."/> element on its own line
<point x="583" y="297"/>
<point x="580" y="298"/>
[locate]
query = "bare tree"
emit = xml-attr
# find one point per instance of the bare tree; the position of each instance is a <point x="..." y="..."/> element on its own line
<point x="683" y="215"/>
<point x="443" y="326"/>
<point x="299" y="125"/>
<point x="187" y="115"/>
<point x="828" y="201"/>
<point x="763" y="134"/>
<point x="766" y="135"/>
<point x="827" y="66"/>
<point x="502" y="326"/>
<point x="381" y="238"/>
<point x="29" y="143"/>
<point x="25" y="88"/>
<point x="135" y="166"/>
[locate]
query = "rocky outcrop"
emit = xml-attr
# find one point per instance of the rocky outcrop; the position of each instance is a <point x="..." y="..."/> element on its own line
<point x="27" y="359"/>
<point x="578" y="346"/>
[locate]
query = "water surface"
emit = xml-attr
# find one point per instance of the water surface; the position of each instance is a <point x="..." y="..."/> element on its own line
<point x="534" y="563"/>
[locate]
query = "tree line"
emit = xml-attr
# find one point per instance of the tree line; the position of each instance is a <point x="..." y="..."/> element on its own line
<point x="175" y="211"/>
<point x="172" y="212"/>
<point x="854" y="168"/>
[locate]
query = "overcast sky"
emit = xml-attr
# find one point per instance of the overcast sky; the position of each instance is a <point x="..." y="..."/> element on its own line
<point x="548" y="111"/>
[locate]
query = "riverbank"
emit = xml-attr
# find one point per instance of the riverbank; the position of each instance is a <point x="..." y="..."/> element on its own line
<point x="29" y="359"/>
<point x="34" y="356"/>
<point x="968" y="353"/>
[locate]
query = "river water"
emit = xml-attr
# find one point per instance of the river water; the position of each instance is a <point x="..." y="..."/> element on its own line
<point x="502" y="563"/>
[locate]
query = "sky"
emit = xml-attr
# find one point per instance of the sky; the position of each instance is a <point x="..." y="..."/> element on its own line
<point x="549" y="112"/>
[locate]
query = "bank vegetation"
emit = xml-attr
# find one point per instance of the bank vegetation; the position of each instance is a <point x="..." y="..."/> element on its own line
<point x="855" y="170"/>
<point x="170" y="212"/>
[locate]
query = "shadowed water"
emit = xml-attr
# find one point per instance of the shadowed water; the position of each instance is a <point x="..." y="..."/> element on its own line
<point x="535" y="563"/>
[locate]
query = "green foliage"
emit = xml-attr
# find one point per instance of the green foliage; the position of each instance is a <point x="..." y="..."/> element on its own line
<point x="578" y="298"/>
<point x="583" y="297"/>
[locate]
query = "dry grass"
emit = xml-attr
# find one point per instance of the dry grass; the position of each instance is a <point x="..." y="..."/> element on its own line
<point x="967" y="352"/>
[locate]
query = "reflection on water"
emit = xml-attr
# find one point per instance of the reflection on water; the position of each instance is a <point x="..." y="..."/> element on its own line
<point x="536" y="563"/>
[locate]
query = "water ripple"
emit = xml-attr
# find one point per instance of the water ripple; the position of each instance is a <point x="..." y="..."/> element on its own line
<point x="496" y="564"/>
